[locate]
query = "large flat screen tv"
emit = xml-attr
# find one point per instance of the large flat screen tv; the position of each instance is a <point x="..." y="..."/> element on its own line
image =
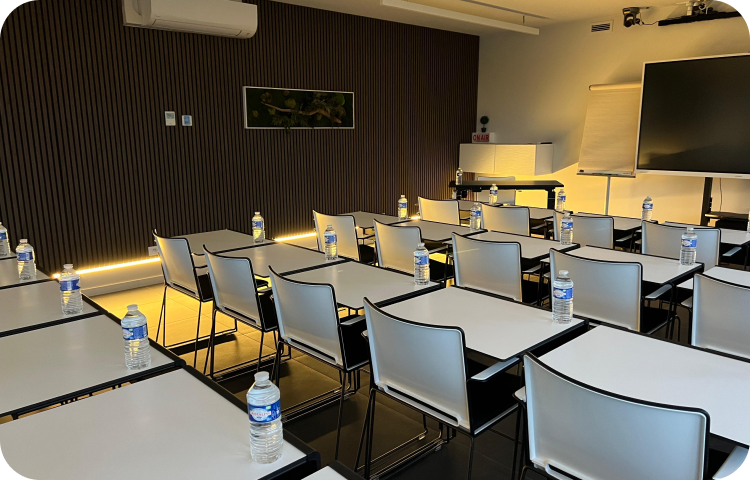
<point x="695" y="117"/>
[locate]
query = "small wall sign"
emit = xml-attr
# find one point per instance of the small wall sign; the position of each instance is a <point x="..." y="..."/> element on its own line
<point x="187" y="120"/>
<point x="170" y="119"/>
<point x="482" y="137"/>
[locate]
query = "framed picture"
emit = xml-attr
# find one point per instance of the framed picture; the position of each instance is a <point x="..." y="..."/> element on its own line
<point x="288" y="108"/>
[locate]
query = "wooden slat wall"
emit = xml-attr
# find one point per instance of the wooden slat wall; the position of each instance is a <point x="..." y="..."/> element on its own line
<point x="88" y="168"/>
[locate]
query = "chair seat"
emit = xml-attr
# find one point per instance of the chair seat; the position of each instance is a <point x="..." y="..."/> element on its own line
<point x="529" y="291"/>
<point x="652" y="319"/>
<point x="366" y="254"/>
<point x="492" y="400"/>
<point x="438" y="271"/>
<point x="356" y="349"/>
<point x="688" y="303"/>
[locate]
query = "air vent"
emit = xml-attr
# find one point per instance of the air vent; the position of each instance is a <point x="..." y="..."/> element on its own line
<point x="601" y="27"/>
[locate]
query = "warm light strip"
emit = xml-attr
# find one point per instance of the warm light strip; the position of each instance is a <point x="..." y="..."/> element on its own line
<point x="415" y="217"/>
<point x="112" y="267"/>
<point x="294" y="237"/>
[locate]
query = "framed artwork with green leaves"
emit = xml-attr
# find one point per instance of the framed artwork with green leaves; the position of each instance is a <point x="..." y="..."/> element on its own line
<point x="288" y="108"/>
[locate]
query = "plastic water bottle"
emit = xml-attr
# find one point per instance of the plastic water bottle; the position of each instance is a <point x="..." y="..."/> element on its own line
<point x="264" y="410"/>
<point x="70" y="291"/>
<point x="4" y="246"/>
<point x="561" y="200"/>
<point x="453" y="194"/>
<point x="421" y="265"/>
<point x="648" y="209"/>
<point x="566" y="230"/>
<point x="135" y="334"/>
<point x="493" y="194"/>
<point x="459" y="176"/>
<point x="475" y="220"/>
<point x="689" y="247"/>
<point x="403" y="208"/>
<point x="259" y="228"/>
<point x="332" y="252"/>
<point x="26" y="260"/>
<point x="562" y="298"/>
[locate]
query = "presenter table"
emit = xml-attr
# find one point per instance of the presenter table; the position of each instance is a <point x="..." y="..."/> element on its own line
<point x="9" y="276"/>
<point x="175" y="425"/>
<point x="36" y="305"/>
<point x="478" y="186"/>
<point x="66" y="361"/>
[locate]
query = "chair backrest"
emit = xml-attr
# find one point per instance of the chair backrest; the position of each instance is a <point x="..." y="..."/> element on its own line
<point x="489" y="266"/>
<point x="346" y="233"/>
<point x="505" y="197"/>
<point x="234" y="287"/>
<point x="593" y="231"/>
<point x="419" y="362"/>
<point x="720" y="316"/>
<point x="665" y="241"/>
<point x="396" y="245"/>
<point x="595" y="435"/>
<point x="308" y="317"/>
<point x="606" y="291"/>
<point x="444" y="211"/>
<point x="506" y="219"/>
<point x="177" y="263"/>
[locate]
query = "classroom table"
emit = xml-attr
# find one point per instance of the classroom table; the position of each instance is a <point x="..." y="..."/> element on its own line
<point x="621" y="224"/>
<point x="365" y="220"/>
<point x="11" y="256"/>
<point x="175" y="425"/>
<point x="737" y="238"/>
<point x="36" y="305"/>
<point x="282" y="257"/>
<point x="533" y="249"/>
<point x="334" y="471"/>
<point x="61" y="362"/>
<point x="738" y="277"/>
<point x="352" y="281"/>
<point x="604" y="358"/>
<point x="9" y="276"/>
<point x="436" y="231"/>
<point x="498" y="328"/>
<point x="219" y="241"/>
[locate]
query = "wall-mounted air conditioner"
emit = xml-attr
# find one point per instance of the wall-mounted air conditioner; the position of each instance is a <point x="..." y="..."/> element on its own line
<point x="210" y="17"/>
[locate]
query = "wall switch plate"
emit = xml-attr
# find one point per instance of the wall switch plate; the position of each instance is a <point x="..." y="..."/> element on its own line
<point x="187" y="120"/>
<point x="153" y="251"/>
<point x="170" y="119"/>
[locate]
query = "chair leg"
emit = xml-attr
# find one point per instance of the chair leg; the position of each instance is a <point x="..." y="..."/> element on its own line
<point x="211" y="346"/>
<point x="471" y="456"/>
<point x="260" y="353"/>
<point x="341" y="413"/>
<point x="371" y="429"/>
<point x="163" y="314"/>
<point x="276" y="372"/>
<point x="197" y="333"/>
<point x="515" y="444"/>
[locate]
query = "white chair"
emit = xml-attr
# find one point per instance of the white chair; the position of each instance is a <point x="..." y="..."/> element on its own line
<point x="506" y="219"/>
<point x="443" y="211"/>
<point x="593" y="231"/>
<point x="665" y="241"/>
<point x="347" y="241"/>
<point x="236" y="295"/>
<point x="579" y="431"/>
<point x="504" y="197"/>
<point x="425" y="367"/>
<point x="493" y="267"/>
<point x="308" y="321"/>
<point x="395" y="248"/>
<point x="720" y="316"/>
<point x="180" y="275"/>
<point x="608" y="292"/>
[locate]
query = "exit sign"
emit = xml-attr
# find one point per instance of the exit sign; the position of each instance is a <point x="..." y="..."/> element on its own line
<point x="482" y="137"/>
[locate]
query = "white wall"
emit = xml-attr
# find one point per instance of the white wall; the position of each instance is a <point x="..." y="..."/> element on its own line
<point x="534" y="89"/>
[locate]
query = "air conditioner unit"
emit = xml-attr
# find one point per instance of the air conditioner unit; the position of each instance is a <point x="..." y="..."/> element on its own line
<point x="210" y="17"/>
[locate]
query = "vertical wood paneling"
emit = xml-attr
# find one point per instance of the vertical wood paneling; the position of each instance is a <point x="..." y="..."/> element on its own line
<point x="88" y="169"/>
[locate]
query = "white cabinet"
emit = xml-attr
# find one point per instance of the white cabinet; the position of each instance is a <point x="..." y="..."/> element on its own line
<point x="503" y="160"/>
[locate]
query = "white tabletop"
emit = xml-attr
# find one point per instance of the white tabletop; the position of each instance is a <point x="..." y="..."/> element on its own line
<point x="531" y="247"/>
<point x="435" y="231"/>
<point x="11" y="255"/>
<point x="283" y="258"/>
<point x="366" y="219"/>
<point x="728" y="235"/>
<point x="621" y="223"/>
<point x="352" y="281"/>
<point x="184" y="430"/>
<point x="60" y="360"/>
<point x="329" y="473"/>
<point x="218" y="241"/>
<point x="622" y="362"/>
<point x="658" y="270"/>
<point x="738" y="277"/>
<point x="498" y="328"/>
<point x="33" y="306"/>
<point x="9" y="275"/>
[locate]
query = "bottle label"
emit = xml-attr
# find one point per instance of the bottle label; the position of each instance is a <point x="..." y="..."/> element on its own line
<point x="69" y="285"/>
<point x="648" y="206"/>
<point x="493" y="192"/>
<point x="476" y="213"/>
<point x="257" y="223"/>
<point x="567" y="224"/>
<point x="687" y="242"/>
<point x="561" y="198"/>
<point x="25" y="256"/>
<point x="563" y="293"/>
<point x="330" y="239"/>
<point x="135" y="333"/>
<point x="421" y="260"/>
<point x="265" y="413"/>
<point x="3" y="235"/>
